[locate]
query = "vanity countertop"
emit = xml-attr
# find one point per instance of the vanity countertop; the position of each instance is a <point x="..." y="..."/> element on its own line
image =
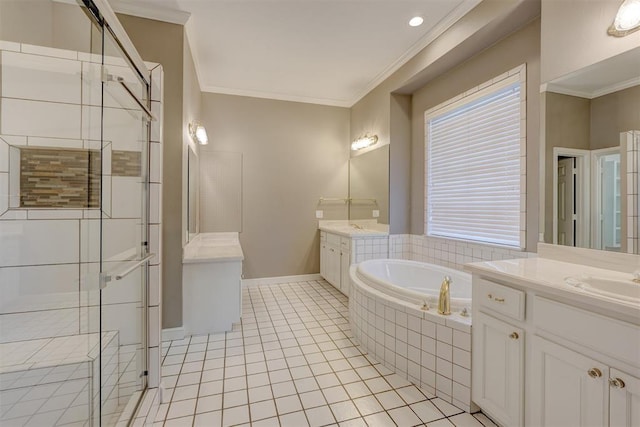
<point x="548" y="276"/>
<point x="213" y="247"/>
<point x="344" y="228"/>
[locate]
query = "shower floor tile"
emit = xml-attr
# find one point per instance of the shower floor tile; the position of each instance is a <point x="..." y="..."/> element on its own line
<point x="292" y="361"/>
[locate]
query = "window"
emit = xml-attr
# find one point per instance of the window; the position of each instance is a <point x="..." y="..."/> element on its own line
<point x="475" y="164"/>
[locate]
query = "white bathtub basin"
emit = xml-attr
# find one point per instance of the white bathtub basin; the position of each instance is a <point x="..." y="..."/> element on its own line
<point x="415" y="282"/>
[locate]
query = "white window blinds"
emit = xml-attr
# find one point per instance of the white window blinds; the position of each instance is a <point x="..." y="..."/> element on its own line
<point x="474" y="170"/>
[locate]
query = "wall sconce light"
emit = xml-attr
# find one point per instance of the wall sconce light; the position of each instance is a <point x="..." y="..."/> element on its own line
<point x="198" y="133"/>
<point x="627" y="19"/>
<point x="364" y="142"/>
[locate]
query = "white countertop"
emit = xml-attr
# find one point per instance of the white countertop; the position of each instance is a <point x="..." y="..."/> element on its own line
<point x="213" y="247"/>
<point x="369" y="228"/>
<point x="548" y="276"/>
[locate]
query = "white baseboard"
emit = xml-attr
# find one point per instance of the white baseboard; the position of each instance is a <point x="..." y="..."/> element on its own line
<point x="171" y="334"/>
<point x="247" y="283"/>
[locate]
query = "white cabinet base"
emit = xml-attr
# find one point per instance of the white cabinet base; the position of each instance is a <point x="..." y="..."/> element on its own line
<point x="211" y="296"/>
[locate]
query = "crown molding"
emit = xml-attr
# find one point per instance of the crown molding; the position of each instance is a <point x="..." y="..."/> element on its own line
<point x="149" y="11"/>
<point x="276" y="96"/>
<point x="559" y="88"/>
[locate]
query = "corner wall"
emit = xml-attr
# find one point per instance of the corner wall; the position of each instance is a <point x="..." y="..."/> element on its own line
<point x="162" y="43"/>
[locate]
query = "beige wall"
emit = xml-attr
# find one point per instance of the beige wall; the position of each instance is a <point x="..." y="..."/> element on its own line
<point x="521" y="47"/>
<point x="612" y="114"/>
<point x="293" y="154"/>
<point x="574" y="35"/>
<point x="163" y="43"/>
<point x="399" y="158"/>
<point x="567" y="126"/>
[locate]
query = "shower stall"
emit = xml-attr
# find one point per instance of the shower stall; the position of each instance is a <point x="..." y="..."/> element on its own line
<point x="79" y="216"/>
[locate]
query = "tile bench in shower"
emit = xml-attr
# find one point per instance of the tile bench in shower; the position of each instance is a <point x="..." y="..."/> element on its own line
<point x="54" y="381"/>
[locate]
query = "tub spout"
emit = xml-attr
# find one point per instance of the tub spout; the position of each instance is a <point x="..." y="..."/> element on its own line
<point x="444" y="302"/>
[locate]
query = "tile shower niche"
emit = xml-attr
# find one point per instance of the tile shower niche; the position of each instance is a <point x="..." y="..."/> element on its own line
<point x="65" y="178"/>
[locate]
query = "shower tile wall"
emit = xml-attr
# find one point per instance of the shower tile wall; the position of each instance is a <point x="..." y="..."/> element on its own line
<point x="49" y="255"/>
<point x="632" y="156"/>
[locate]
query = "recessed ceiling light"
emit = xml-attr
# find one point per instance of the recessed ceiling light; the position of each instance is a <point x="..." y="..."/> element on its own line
<point x="416" y="21"/>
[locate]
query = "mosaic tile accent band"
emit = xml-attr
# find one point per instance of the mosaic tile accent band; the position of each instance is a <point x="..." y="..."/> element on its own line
<point x="59" y="178"/>
<point x="126" y="163"/>
<point x="69" y="178"/>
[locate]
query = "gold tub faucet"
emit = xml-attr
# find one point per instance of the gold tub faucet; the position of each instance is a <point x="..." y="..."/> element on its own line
<point x="444" y="302"/>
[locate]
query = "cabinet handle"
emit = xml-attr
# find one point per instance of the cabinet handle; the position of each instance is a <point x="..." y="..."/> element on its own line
<point x="514" y="336"/>
<point x="496" y="299"/>
<point x="594" y="373"/>
<point x="616" y="382"/>
<point x="332" y="250"/>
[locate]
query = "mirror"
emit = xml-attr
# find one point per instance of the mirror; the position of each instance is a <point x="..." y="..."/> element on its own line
<point x="192" y="193"/>
<point x="369" y="185"/>
<point x="591" y="129"/>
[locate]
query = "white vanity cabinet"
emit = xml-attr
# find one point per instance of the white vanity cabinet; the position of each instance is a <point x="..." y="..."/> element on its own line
<point x="498" y="351"/>
<point x="580" y="363"/>
<point x="569" y="388"/>
<point x="335" y="260"/>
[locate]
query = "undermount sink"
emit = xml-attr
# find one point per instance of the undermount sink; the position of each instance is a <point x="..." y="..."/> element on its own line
<point x="625" y="290"/>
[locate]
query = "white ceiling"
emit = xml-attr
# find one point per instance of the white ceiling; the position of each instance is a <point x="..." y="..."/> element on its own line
<point x="611" y="75"/>
<point x="321" y="51"/>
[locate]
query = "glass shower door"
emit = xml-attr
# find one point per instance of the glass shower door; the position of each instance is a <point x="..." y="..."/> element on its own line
<point x="123" y="229"/>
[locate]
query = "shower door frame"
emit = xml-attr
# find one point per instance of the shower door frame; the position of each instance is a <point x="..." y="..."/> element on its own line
<point x="105" y="18"/>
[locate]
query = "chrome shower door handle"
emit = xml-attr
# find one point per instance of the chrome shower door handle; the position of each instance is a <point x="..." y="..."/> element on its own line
<point x="105" y="278"/>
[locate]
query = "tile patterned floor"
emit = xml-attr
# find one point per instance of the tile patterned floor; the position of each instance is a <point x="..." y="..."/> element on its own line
<point x="292" y="362"/>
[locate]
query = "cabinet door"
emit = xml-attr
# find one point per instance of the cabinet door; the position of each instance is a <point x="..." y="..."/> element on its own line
<point x="567" y="388"/>
<point x="333" y="265"/>
<point x="345" y="282"/>
<point x="323" y="259"/>
<point x="624" y="400"/>
<point x="498" y="361"/>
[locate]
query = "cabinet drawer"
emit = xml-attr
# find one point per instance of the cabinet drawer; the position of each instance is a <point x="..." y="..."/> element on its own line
<point x="333" y="239"/>
<point x="323" y="236"/>
<point x="495" y="298"/>
<point x="605" y="335"/>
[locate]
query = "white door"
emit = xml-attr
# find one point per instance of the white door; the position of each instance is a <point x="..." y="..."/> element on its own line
<point x="567" y="388"/>
<point x="498" y="363"/>
<point x="566" y="201"/>
<point x="624" y="400"/>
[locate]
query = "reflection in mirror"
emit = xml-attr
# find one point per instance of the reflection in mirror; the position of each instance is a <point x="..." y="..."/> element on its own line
<point x="369" y="185"/>
<point x="589" y="131"/>
<point x="192" y="194"/>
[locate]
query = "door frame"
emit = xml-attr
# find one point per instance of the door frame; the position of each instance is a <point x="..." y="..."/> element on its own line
<point x="596" y="190"/>
<point x="583" y="222"/>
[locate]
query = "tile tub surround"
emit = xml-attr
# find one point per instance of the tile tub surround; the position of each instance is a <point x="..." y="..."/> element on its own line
<point x="447" y="252"/>
<point x="426" y="348"/>
<point x="292" y="361"/>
